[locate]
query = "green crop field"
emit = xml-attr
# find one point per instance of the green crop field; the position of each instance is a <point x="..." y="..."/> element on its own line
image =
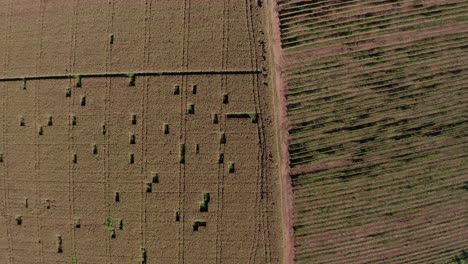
<point x="377" y="104"/>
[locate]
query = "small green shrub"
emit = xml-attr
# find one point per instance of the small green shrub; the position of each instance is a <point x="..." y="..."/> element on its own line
<point x="112" y="234"/>
<point x="177" y="216"/>
<point x="166" y="128"/>
<point x="132" y="158"/>
<point x="50" y="121"/>
<point x="254" y="117"/>
<point x="132" y="139"/>
<point x="75" y="158"/>
<point x="74" y="260"/>
<point x="104" y="129"/>
<point x="40" y="131"/>
<point x="68" y="92"/>
<point x="215" y="118"/>
<point x="111" y="39"/>
<point x="176" y="89"/>
<point x="225" y="98"/>
<point x="95" y="149"/>
<point x="22" y="122"/>
<point x="1" y="157"/>
<point x="109" y="224"/>
<point x="74" y="121"/>
<point x="83" y="101"/>
<point x="197" y="148"/>
<point x="134" y="119"/>
<point x="121" y="224"/>
<point x="117" y="197"/>
<point x="221" y="158"/>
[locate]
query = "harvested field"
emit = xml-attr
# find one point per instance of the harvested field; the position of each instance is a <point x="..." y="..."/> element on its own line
<point x="376" y="104"/>
<point x="137" y="132"/>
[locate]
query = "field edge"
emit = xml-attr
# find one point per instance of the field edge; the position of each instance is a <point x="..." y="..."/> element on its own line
<point x="275" y="52"/>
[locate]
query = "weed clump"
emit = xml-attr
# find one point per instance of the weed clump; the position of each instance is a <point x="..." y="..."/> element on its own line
<point x="155" y="178"/>
<point x="109" y="224"/>
<point x="117" y="197"/>
<point x="144" y="256"/>
<point x="176" y="89"/>
<point x="22" y="122"/>
<point x="194" y="89"/>
<point x="95" y="149"/>
<point x="254" y="117"/>
<point x="132" y="158"/>
<point x="134" y="119"/>
<point x="177" y="216"/>
<point x="221" y="158"/>
<point x="77" y="223"/>
<point x="232" y="169"/>
<point x="78" y="80"/>
<point x="215" y="118"/>
<point x="203" y="206"/>
<point x="131" y="79"/>
<point x="197" y="224"/>
<point x="149" y="187"/>
<point x="205" y="202"/>
<point x="166" y="128"/>
<point x="68" y="92"/>
<point x="132" y="139"/>
<point x="40" y="131"/>
<point x="19" y="219"/>
<point x="222" y="138"/>
<point x="225" y="98"/>
<point x="191" y="108"/>
<point x="59" y="244"/>
<point x="182" y="153"/>
<point x="50" y="121"/>
<point x="83" y="101"/>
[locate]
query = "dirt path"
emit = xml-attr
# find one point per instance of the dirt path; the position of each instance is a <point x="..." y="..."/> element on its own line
<point x="283" y="124"/>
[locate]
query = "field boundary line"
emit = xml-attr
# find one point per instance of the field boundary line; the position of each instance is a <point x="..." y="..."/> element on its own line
<point x="126" y="75"/>
<point x="287" y="196"/>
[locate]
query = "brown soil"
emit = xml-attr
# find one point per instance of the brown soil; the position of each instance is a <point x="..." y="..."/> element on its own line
<point x="282" y="125"/>
<point x="64" y="159"/>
